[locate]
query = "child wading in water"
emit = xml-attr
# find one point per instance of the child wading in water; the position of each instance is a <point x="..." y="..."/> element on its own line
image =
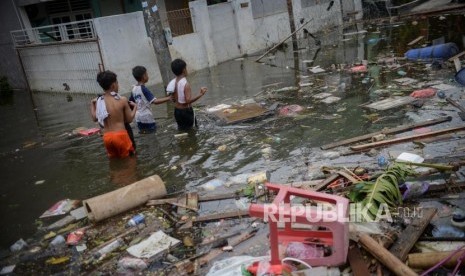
<point x="112" y="112"/>
<point x="182" y="96"/>
<point x="142" y="96"/>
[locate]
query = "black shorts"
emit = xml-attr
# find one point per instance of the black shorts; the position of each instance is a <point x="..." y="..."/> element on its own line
<point x="185" y="118"/>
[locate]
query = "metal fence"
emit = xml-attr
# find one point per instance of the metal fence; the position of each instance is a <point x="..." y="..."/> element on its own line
<point x="180" y="22"/>
<point x="78" y="30"/>
<point x="69" y="67"/>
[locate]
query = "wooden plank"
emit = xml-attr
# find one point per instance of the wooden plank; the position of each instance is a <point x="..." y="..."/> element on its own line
<point x="415" y="41"/>
<point x="390" y="103"/>
<point x="387" y="132"/>
<point x="326" y="182"/>
<point x="155" y="202"/>
<point x="410" y="235"/>
<point x="205" y="198"/>
<point x="406" y="138"/>
<point x="457" y="56"/>
<point x="233" y="214"/>
<point x="356" y="261"/>
<point x="236" y="114"/>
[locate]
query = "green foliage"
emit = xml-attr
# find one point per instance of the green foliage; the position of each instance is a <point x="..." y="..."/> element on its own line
<point x="385" y="190"/>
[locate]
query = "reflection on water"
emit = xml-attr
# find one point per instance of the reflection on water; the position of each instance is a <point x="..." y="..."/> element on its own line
<point x="38" y="144"/>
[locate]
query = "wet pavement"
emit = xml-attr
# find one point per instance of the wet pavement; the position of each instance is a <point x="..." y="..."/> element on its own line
<point x="38" y="144"/>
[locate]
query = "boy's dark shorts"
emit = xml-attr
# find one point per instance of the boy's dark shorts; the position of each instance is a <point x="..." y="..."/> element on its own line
<point x="185" y="118"/>
<point x="146" y="128"/>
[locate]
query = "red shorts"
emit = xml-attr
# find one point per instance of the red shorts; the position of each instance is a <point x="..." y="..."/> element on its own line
<point x="118" y="144"/>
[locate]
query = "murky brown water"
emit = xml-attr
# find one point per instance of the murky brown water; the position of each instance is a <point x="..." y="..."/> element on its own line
<point x="36" y="144"/>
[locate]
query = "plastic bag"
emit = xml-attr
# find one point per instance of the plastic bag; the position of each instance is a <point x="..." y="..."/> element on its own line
<point x="233" y="266"/>
<point x="423" y="93"/>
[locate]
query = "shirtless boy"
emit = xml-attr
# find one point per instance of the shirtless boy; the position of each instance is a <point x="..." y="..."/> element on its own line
<point x="113" y="111"/>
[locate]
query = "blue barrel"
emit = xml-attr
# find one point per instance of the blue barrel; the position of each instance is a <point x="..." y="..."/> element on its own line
<point x="441" y="51"/>
<point x="460" y="76"/>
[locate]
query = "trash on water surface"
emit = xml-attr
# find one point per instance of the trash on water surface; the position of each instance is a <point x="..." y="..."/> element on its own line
<point x="290" y="110"/>
<point x="89" y="132"/>
<point x="410" y="157"/>
<point x="447" y="231"/>
<point x="158" y="242"/>
<point x="18" y="245"/>
<point x="303" y="251"/>
<point x="7" y="269"/>
<point x="129" y="266"/>
<point x="60" y="208"/>
<point x="358" y="69"/>
<point x="423" y="93"/>
<point x="58" y="241"/>
<point x="212" y="184"/>
<point x="330" y="100"/>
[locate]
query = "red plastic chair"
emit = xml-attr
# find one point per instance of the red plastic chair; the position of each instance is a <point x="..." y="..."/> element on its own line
<point x="335" y="235"/>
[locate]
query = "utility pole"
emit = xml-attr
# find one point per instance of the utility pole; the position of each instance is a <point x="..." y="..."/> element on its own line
<point x="155" y="31"/>
<point x="290" y="12"/>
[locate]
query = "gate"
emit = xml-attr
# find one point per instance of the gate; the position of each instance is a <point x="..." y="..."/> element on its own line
<point x="60" y="58"/>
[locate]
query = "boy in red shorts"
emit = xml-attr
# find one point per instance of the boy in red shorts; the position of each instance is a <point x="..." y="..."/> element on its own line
<point x="112" y="112"/>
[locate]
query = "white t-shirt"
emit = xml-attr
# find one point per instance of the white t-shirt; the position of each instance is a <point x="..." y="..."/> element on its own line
<point x="181" y="85"/>
<point x="142" y="96"/>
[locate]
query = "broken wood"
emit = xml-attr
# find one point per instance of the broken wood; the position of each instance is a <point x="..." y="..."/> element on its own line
<point x="410" y="235"/>
<point x="184" y="206"/>
<point x="386" y="132"/>
<point x="203" y="198"/>
<point x="233" y="242"/>
<point x="406" y="139"/>
<point x="384" y="256"/>
<point x="233" y="214"/>
<point x="415" y="41"/>
<point x="356" y="261"/>
<point x="326" y="182"/>
<point x="427" y="260"/>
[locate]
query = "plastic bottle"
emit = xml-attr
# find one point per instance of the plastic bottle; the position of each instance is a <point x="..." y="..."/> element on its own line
<point x="108" y="248"/>
<point x="135" y="220"/>
<point x="382" y="161"/>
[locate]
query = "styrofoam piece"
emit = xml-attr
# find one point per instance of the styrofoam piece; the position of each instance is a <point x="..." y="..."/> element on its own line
<point x="410" y="157"/>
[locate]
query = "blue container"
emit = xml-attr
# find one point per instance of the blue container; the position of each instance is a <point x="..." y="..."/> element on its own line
<point x="460" y="76"/>
<point x="441" y="51"/>
<point x="137" y="219"/>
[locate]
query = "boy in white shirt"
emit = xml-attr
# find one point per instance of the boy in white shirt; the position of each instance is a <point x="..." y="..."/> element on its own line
<point x="143" y="98"/>
<point x="182" y="96"/>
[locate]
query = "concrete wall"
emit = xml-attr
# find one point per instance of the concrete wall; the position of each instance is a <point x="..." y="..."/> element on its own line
<point x="124" y="44"/>
<point x="9" y="62"/>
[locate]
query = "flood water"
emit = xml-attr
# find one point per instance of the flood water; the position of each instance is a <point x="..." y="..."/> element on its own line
<point x="37" y="144"/>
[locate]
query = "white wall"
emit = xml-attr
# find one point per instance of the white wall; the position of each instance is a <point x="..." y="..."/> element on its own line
<point x="191" y="49"/>
<point x="125" y="44"/>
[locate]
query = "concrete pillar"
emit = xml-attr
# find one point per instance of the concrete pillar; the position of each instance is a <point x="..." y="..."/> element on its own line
<point x="202" y="26"/>
<point x="245" y="25"/>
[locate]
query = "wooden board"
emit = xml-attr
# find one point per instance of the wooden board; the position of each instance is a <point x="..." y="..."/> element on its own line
<point x="386" y="131"/>
<point x="239" y="113"/>
<point x="415" y="40"/>
<point x="356" y="261"/>
<point x="406" y="138"/>
<point x="390" y="103"/>
<point x="410" y="235"/>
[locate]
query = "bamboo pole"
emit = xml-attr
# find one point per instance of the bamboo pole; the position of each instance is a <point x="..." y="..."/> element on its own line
<point x="427" y="260"/>
<point x="387" y="131"/>
<point x="406" y="138"/>
<point x="385" y="257"/>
